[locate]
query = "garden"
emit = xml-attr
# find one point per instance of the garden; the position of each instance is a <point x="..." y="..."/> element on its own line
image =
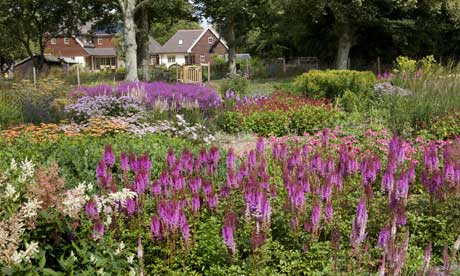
<point x="333" y="172"/>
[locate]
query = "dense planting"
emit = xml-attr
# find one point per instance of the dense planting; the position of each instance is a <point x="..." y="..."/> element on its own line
<point x="159" y="95"/>
<point x="362" y="203"/>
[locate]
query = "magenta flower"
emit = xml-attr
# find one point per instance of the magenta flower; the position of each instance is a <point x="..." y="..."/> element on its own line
<point x="131" y="206"/>
<point x="155" y="228"/>
<point x="328" y="212"/>
<point x="109" y="156"/>
<point x="196" y="204"/>
<point x="316" y="216"/>
<point x="98" y="230"/>
<point x="384" y="238"/>
<point x="231" y="159"/>
<point x="260" y="146"/>
<point x="171" y="158"/>
<point x="91" y="210"/>
<point x="124" y="163"/>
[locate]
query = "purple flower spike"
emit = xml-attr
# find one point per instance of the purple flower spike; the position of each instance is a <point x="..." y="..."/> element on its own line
<point x="109" y="156"/>
<point x="384" y="238"/>
<point x="316" y="216"/>
<point x="98" y="230"/>
<point x="140" y="251"/>
<point x="155" y="228"/>
<point x="124" y="163"/>
<point x="171" y="158"/>
<point x="260" y="146"/>
<point x="91" y="210"/>
<point x="131" y="206"/>
<point x="231" y="159"/>
<point x="426" y="261"/>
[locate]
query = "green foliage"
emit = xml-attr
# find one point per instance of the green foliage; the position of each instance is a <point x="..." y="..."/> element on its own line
<point x="236" y="83"/>
<point x="10" y="115"/>
<point x="231" y="122"/>
<point x="308" y="119"/>
<point x="405" y="65"/>
<point x="78" y="156"/>
<point x="333" y="83"/>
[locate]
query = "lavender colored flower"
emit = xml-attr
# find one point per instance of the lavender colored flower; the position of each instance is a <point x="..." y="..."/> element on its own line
<point x="98" y="230"/>
<point x="426" y="260"/>
<point x="316" y="216"/>
<point x="328" y="212"/>
<point x="276" y="151"/>
<point x="109" y="156"/>
<point x="140" y="251"/>
<point x="171" y="158"/>
<point x="155" y="228"/>
<point x="156" y="188"/>
<point x="358" y="232"/>
<point x="384" y="237"/>
<point x="231" y="159"/>
<point x="91" y="210"/>
<point x="124" y="163"/>
<point x="131" y="206"/>
<point x="196" y="204"/>
<point x="212" y="201"/>
<point x="185" y="231"/>
<point x="260" y="146"/>
<point x="195" y="185"/>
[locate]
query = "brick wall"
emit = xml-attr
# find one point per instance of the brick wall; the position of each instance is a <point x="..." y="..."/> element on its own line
<point x="202" y="48"/>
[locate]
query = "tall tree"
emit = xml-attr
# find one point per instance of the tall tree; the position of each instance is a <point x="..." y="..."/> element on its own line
<point x="162" y="12"/>
<point x="234" y="17"/>
<point x="31" y="23"/>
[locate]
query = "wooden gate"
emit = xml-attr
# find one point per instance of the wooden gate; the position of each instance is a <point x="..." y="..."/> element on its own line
<point x="191" y="73"/>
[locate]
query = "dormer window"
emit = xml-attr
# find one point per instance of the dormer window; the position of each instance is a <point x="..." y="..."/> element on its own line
<point x="99" y="41"/>
<point x="66" y="40"/>
<point x="53" y="41"/>
<point x="210" y="40"/>
<point x="181" y="42"/>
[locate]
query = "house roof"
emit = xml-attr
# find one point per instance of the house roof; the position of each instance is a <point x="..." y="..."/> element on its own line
<point x="50" y="59"/>
<point x="188" y="38"/>
<point x="154" y="46"/>
<point x="103" y="52"/>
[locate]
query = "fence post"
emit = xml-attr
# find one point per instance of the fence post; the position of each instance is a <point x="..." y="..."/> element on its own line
<point x="78" y="75"/>
<point x="284" y="64"/>
<point x="209" y="72"/>
<point x="378" y="65"/>
<point x="35" y="76"/>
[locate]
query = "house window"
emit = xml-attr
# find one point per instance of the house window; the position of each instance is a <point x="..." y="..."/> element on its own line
<point x="210" y="40"/>
<point x="66" y="40"/>
<point x="202" y="58"/>
<point x="171" y="59"/>
<point x="53" y="41"/>
<point x="99" y="41"/>
<point x="181" y="42"/>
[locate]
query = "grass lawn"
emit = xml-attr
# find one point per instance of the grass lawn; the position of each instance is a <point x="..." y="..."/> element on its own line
<point x="258" y="86"/>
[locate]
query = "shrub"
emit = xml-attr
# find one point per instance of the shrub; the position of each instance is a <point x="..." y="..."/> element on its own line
<point x="267" y="123"/>
<point x="231" y="122"/>
<point x="36" y="103"/>
<point x="87" y="107"/>
<point x="333" y="83"/>
<point x="10" y="115"/>
<point x="236" y="83"/>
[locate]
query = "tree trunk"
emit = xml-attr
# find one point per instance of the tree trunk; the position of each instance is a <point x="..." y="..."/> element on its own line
<point x="143" y="54"/>
<point x="344" y="46"/>
<point x="231" y="48"/>
<point x="129" y="7"/>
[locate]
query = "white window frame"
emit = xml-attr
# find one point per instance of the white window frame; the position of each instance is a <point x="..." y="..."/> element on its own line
<point x="53" y="41"/>
<point x="171" y="59"/>
<point x="100" y="41"/>
<point x="210" y="40"/>
<point x="66" y="40"/>
<point x="202" y="58"/>
<point x="181" y="42"/>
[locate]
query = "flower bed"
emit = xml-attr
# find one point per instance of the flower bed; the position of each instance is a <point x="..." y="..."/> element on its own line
<point x="327" y="203"/>
<point x="158" y="94"/>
